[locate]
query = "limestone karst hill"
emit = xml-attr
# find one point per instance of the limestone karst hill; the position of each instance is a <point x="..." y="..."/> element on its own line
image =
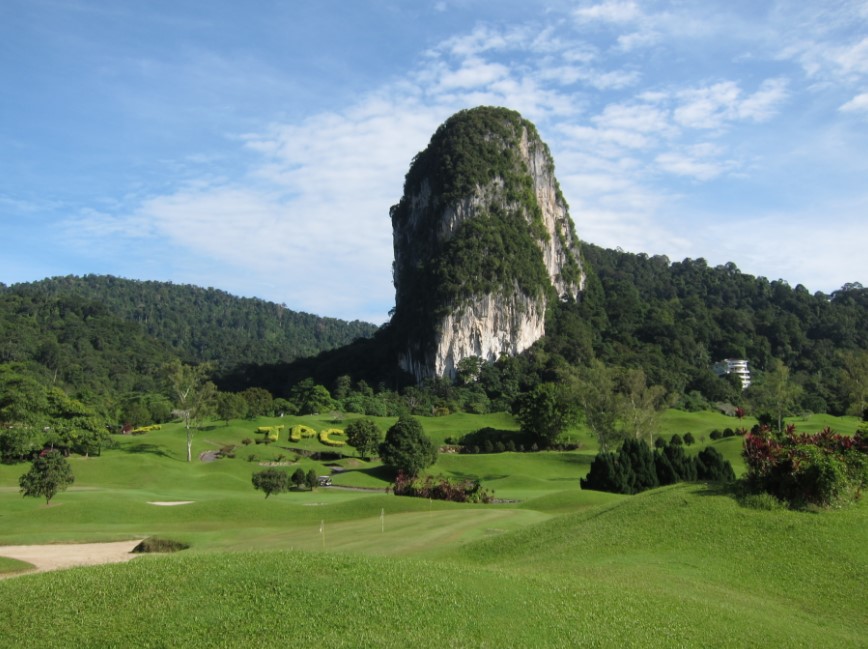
<point x="483" y="243"/>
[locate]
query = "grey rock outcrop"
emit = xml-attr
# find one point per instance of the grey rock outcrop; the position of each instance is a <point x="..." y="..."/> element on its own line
<point x="483" y="241"/>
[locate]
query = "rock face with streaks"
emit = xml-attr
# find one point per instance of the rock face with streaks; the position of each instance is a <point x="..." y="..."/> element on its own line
<point x="483" y="242"/>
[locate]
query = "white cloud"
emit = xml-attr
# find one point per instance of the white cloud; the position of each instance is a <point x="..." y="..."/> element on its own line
<point x="636" y="40"/>
<point x="643" y="118"/>
<point x="473" y="73"/>
<point x="699" y="162"/>
<point x="858" y="104"/>
<point x="610" y="11"/>
<point x="712" y="107"/>
<point x="764" y="103"/>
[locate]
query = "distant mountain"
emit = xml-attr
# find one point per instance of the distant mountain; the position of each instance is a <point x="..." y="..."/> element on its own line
<point x="202" y="324"/>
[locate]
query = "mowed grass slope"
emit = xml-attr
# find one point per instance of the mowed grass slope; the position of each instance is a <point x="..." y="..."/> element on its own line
<point x="679" y="566"/>
<point x="553" y="567"/>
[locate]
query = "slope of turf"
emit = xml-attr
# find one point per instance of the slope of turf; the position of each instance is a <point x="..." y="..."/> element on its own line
<point x="679" y="566"/>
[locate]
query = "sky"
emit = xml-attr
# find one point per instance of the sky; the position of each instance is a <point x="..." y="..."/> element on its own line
<point x="257" y="147"/>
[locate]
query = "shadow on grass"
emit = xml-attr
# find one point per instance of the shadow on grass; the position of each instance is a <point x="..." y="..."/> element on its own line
<point x="379" y="472"/>
<point x="144" y="447"/>
<point x="460" y="475"/>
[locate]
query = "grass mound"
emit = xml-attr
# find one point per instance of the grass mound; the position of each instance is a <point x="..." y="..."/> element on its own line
<point x="154" y="544"/>
<point x="678" y="566"/>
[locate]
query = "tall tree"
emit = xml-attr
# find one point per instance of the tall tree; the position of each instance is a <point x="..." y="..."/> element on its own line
<point x="640" y="405"/>
<point x="364" y="436"/>
<point x="775" y="393"/>
<point x="193" y="394"/>
<point x="546" y="411"/>
<point x="855" y="375"/>
<point x="595" y="392"/>
<point x="407" y="448"/>
<point x="49" y="474"/>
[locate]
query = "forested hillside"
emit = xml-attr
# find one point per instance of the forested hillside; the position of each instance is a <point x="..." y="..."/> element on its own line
<point x="203" y="324"/>
<point x="675" y="319"/>
<point x="78" y="344"/>
<point x="671" y="320"/>
<point x="105" y="341"/>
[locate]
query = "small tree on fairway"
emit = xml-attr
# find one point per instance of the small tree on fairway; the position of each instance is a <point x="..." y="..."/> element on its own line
<point x="364" y="436"/>
<point x="49" y="474"/>
<point x="406" y="448"/>
<point x="689" y="439"/>
<point x="311" y="480"/>
<point x="298" y="477"/>
<point x="194" y="395"/>
<point x="271" y="481"/>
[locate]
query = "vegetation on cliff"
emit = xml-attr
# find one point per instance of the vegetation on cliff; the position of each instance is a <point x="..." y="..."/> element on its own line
<point x="474" y="156"/>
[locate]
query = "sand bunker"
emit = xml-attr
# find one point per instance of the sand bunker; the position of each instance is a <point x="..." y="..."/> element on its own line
<point x="169" y="503"/>
<point x="61" y="555"/>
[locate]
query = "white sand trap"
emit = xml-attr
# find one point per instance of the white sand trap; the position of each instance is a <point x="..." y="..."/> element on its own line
<point x="68" y="555"/>
<point x="170" y="503"/>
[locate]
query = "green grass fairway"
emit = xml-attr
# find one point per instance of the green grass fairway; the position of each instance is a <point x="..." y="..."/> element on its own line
<point x="679" y="566"/>
<point x="548" y="565"/>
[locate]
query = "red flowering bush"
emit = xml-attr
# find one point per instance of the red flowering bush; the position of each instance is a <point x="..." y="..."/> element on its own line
<point x="821" y="469"/>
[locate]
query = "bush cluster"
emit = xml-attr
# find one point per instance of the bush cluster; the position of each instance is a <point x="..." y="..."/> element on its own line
<point x="822" y="469"/>
<point x="635" y="468"/>
<point x="440" y="488"/>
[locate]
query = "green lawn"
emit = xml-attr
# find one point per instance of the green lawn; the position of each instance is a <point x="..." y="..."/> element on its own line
<point x="548" y="566"/>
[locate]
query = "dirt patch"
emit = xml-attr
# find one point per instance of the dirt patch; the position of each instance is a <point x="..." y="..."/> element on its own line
<point x="63" y="555"/>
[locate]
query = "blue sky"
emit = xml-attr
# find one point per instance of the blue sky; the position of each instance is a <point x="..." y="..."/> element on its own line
<point x="257" y="147"/>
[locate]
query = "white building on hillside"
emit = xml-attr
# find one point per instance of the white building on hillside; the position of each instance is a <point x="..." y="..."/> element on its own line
<point x="735" y="366"/>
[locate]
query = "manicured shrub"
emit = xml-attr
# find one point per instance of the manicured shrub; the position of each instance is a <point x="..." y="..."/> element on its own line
<point x="325" y="437"/>
<point x="676" y="440"/>
<point x="711" y="465"/>
<point x="715" y="434"/>
<point x="270" y="433"/>
<point x="606" y="474"/>
<point x="300" y="431"/>
<point x="638" y="462"/>
<point x="636" y="468"/>
<point x="822" y="469"/>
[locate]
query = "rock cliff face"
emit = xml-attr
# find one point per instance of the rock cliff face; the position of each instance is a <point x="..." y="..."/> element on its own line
<point x="483" y="241"/>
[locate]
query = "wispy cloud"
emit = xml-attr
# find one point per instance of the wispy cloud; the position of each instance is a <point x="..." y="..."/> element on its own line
<point x="859" y="104"/>
<point x="639" y="111"/>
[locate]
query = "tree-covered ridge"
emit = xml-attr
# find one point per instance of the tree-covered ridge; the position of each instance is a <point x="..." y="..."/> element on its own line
<point x="675" y="319"/>
<point x="78" y="344"/>
<point x="202" y="324"/>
